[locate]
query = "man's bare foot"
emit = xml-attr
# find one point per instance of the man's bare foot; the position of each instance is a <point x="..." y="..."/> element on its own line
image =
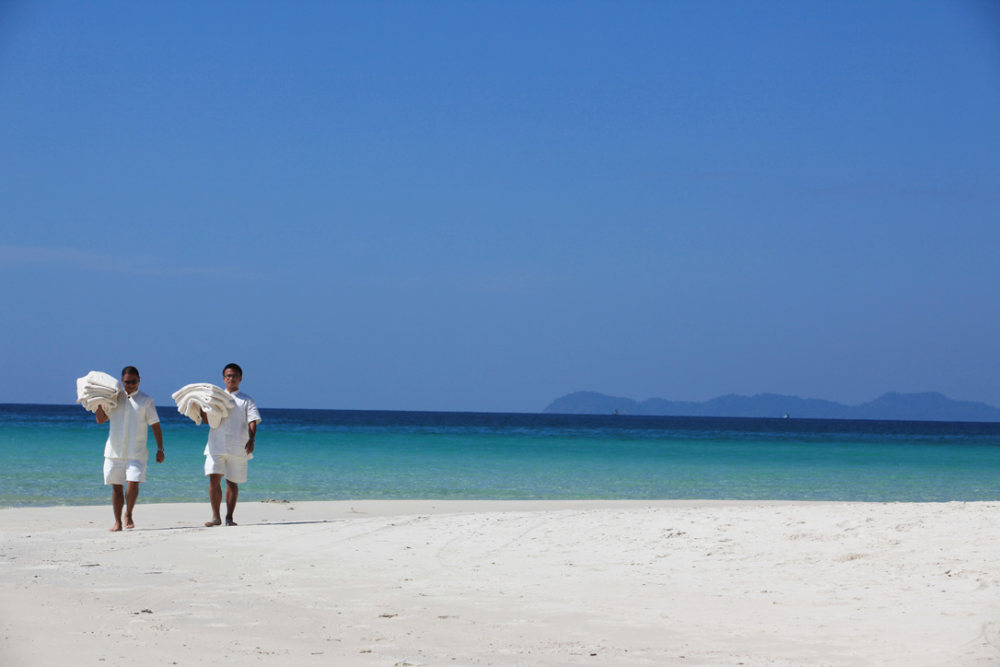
<point x="213" y="522"/>
<point x="116" y="528"/>
<point x="129" y="524"/>
<point x="230" y="522"/>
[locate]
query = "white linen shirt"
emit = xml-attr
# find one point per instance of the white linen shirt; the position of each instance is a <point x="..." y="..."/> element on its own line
<point x="129" y="423"/>
<point x="231" y="435"/>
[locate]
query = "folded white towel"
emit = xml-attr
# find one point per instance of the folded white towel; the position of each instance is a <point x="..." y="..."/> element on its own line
<point x="193" y="399"/>
<point x="97" y="389"/>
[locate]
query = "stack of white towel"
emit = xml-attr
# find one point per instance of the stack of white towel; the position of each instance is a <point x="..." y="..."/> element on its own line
<point x="97" y="389"/>
<point x="193" y="399"/>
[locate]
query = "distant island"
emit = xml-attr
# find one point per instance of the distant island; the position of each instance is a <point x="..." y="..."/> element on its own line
<point x="927" y="406"/>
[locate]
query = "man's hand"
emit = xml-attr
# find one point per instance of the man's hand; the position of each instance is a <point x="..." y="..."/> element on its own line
<point x="249" y="446"/>
<point x="158" y="434"/>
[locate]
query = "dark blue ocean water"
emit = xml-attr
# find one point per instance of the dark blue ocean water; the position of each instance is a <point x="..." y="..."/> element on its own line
<point x="52" y="455"/>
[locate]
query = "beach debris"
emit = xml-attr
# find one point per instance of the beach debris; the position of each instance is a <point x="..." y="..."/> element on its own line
<point x="142" y="611"/>
<point x="283" y="501"/>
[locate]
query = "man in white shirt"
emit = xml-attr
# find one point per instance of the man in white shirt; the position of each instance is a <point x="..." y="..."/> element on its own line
<point x="230" y="447"/>
<point x="125" y="453"/>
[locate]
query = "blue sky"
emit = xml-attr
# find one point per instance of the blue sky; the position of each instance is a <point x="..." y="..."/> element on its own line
<point x="487" y="205"/>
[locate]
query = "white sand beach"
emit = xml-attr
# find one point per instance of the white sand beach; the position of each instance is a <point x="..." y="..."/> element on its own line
<point x="504" y="583"/>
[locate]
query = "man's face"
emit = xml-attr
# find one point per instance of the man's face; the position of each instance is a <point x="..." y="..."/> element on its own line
<point x="232" y="380"/>
<point x="131" y="383"/>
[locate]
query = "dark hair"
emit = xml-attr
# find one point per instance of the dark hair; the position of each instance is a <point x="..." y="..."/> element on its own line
<point x="130" y="370"/>
<point x="235" y="367"/>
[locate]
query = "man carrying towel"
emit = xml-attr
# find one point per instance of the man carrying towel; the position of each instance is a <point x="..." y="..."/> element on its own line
<point x="230" y="446"/>
<point x="125" y="453"/>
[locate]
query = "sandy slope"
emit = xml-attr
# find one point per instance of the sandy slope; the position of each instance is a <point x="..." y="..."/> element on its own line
<point x="505" y="583"/>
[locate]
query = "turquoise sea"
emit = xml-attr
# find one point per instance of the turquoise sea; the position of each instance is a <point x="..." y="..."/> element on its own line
<point x="52" y="455"/>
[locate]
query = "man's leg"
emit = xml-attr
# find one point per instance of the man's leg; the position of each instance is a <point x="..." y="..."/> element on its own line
<point x="130" y="497"/>
<point x="232" y="495"/>
<point x="117" y="503"/>
<point x="215" y="498"/>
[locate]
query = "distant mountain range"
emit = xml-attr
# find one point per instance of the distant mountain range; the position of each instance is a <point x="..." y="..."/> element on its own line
<point x="928" y="406"/>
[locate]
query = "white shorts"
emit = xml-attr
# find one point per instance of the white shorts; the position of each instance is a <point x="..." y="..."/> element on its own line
<point x="233" y="467"/>
<point x="119" y="471"/>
